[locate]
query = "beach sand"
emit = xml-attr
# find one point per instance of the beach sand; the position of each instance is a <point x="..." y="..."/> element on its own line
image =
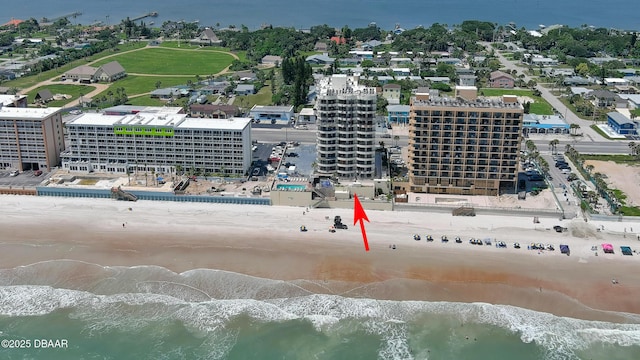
<point x="266" y="242"/>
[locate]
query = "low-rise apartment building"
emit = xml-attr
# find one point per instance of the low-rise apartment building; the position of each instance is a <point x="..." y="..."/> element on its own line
<point x="464" y="145"/>
<point x="158" y="142"/>
<point x="30" y="139"/>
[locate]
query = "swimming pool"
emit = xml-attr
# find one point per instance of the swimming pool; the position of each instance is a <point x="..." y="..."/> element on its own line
<point x="291" y="187"/>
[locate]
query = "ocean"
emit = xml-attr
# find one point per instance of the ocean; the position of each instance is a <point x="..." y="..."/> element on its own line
<point x="619" y="14"/>
<point x="149" y="312"/>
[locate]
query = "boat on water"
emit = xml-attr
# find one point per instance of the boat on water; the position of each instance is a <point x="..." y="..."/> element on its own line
<point x="153" y="14"/>
<point x="151" y="23"/>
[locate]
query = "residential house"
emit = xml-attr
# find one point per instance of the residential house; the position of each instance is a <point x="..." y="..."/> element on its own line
<point x="398" y="114"/>
<point x="110" y="72"/>
<point x="601" y="60"/>
<point x="395" y="62"/>
<point x="82" y="73"/>
<point x="543" y="61"/>
<point x="167" y="93"/>
<point x="215" y="87"/>
<point x="272" y="60"/>
<point x="321" y="46"/>
<point x="450" y="61"/>
<point x="615" y="81"/>
<point x="338" y="40"/>
<point x="467" y="80"/>
<point x="353" y="61"/>
<point x="578" y="90"/>
<point x="371" y="44"/>
<point x="361" y="54"/>
<point x="439" y="79"/>
<point x="320" y="59"/>
<point x="401" y="71"/>
<point x="575" y="80"/>
<point x="214" y="111"/>
<point x="621" y="124"/>
<point x="633" y="100"/>
<point x="244" y="89"/>
<point x="633" y="80"/>
<point x="602" y="98"/>
<point x="246" y="76"/>
<point x="207" y="37"/>
<point x="498" y="79"/>
<point x="392" y="92"/>
<point x="43" y="96"/>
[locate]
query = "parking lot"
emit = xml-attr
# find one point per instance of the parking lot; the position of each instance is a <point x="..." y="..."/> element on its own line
<point x="23" y="179"/>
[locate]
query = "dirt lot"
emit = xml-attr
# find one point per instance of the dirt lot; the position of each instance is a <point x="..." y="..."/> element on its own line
<point x="622" y="177"/>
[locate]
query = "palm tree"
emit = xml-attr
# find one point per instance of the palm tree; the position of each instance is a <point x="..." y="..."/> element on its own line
<point x="553" y="144"/>
<point x="573" y="128"/>
<point x="589" y="168"/>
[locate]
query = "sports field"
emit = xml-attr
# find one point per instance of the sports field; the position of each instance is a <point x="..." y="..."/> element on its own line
<point x="167" y="61"/>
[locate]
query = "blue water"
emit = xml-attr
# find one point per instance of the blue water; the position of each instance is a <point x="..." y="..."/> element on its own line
<point x="148" y="312"/>
<point x="621" y="14"/>
<point x="290" y="187"/>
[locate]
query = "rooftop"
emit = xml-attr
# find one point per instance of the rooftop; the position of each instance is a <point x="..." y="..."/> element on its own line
<point x="462" y="103"/>
<point x="27" y="113"/>
<point x="341" y="83"/>
<point x="272" y="108"/>
<point x="177" y="121"/>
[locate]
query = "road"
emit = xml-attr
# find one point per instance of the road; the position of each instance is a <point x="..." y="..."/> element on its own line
<point x="570" y="117"/>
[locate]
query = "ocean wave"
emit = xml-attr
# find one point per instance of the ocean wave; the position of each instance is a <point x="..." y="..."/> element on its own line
<point x="207" y="301"/>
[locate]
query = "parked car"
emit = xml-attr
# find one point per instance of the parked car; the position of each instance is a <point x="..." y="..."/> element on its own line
<point x="14" y="173"/>
<point x="37" y="173"/>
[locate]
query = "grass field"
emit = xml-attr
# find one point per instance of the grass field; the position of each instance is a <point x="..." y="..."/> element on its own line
<point x="172" y="62"/>
<point x="145" y="100"/>
<point x="143" y="84"/>
<point x="618" y="159"/>
<point x="73" y="90"/>
<point x="263" y="97"/>
<point x="27" y="81"/>
<point x="540" y="106"/>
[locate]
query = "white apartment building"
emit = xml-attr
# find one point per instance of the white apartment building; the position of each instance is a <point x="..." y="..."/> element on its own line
<point x="30" y="139"/>
<point x="346" y="114"/>
<point x="158" y="142"/>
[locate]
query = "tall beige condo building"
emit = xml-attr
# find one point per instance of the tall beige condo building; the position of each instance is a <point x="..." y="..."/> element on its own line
<point x="464" y="145"/>
<point x="346" y="112"/>
<point x="30" y="139"/>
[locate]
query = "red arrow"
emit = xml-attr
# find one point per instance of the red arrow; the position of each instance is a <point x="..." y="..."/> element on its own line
<point x="359" y="215"/>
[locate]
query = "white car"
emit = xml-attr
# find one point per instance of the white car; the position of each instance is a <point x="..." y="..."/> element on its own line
<point x="566" y="171"/>
<point x="14" y="173"/>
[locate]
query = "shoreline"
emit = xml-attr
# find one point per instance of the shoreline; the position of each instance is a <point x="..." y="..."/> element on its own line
<point x="265" y="242"/>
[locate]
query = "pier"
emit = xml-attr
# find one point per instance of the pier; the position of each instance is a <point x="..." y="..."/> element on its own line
<point x="151" y="14"/>
<point x="52" y="20"/>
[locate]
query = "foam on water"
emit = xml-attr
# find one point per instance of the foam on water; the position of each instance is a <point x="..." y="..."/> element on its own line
<point x="206" y="302"/>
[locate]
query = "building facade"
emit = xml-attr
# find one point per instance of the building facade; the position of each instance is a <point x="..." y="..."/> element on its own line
<point x="271" y="113"/>
<point x="464" y="145"/>
<point x="30" y="139"/>
<point x="398" y="114"/>
<point x="346" y="114"/>
<point x="621" y="124"/>
<point x="159" y="143"/>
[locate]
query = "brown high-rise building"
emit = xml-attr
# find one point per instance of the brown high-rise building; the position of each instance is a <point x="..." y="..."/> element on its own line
<point x="464" y="145"/>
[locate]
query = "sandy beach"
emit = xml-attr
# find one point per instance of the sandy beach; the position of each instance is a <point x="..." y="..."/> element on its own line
<point x="266" y="242"/>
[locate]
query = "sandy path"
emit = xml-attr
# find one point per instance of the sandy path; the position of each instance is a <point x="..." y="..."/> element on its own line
<point x="266" y="242"/>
